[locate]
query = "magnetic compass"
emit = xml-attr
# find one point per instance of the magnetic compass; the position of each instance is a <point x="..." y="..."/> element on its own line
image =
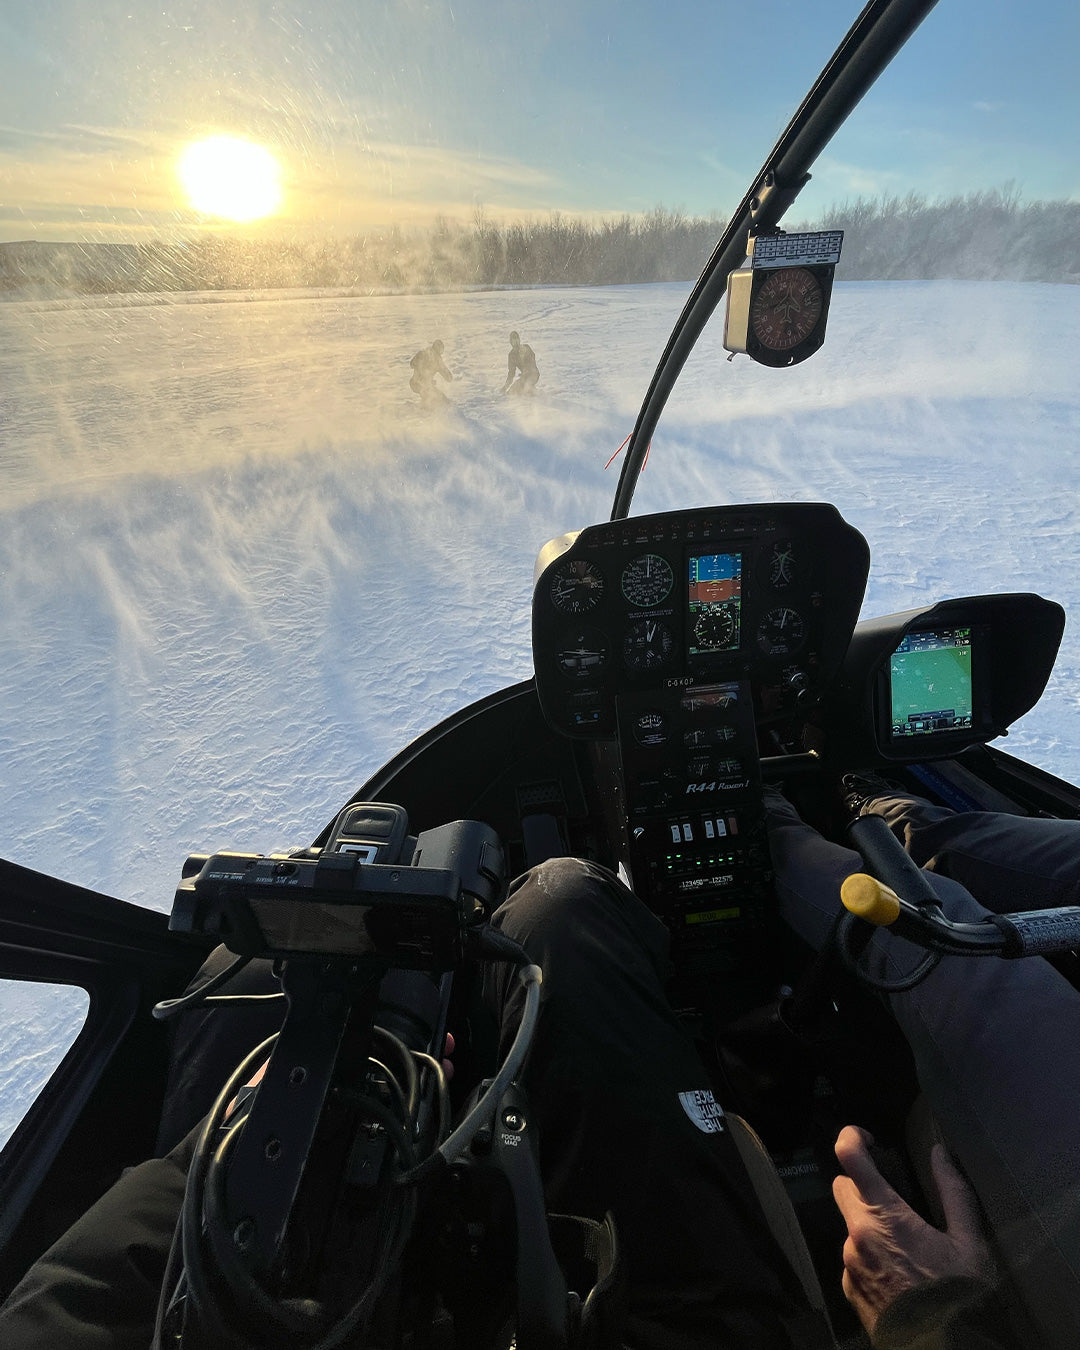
<point x="777" y="307"/>
<point x="786" y="308"/>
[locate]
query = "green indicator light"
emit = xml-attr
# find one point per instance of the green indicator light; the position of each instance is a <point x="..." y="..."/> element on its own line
<point x="712" y="915"/>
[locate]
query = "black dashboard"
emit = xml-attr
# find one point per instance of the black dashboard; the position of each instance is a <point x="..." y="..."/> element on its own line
<point x="670" y="642"/>
<point x="680" y="649"/>
<point x="765" y="593"/>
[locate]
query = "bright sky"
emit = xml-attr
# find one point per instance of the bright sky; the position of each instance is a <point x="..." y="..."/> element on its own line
<point x="397" y="110"/>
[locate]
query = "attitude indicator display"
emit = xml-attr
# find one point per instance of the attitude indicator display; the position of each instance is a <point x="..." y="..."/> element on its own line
<point x="714" y="594"/>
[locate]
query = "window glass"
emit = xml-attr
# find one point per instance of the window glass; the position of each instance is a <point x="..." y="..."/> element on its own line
<point x="256" y="534"/>
<point x="38" y="1025"/>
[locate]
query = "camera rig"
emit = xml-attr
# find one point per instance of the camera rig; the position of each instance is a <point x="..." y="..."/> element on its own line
<point x="318" y="1201"/>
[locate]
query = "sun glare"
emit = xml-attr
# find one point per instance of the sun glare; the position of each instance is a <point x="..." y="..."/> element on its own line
<point x="230" y="177"/>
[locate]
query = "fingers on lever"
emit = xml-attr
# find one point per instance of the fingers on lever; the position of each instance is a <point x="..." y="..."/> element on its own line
<point x="853" y="1153"/>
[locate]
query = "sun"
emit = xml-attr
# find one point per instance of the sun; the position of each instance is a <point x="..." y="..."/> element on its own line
<point x="230" y="177"/>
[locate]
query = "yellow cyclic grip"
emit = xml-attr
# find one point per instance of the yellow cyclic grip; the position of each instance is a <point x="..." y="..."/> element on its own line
<point x="867" y="898"/>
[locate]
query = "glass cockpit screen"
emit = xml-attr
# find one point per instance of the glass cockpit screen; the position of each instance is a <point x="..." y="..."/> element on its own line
<point x="714" y="593"/>
<point x="930" y="679"/>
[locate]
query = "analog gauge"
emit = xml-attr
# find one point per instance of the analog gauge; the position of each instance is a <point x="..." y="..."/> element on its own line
<point x="714" y="629"/>
<point x="781" y="631"/>
<point x="782" y="564"/>
<point x="702" y="766"/>
<point x="786" y="308"/>
<point x="698" y="737"/>
<point x="650" y="728"/>
<point x="647" y="580"/>
<point x="577" y="586"/>
<point x="648" y="645"/>
<point x="707" y="697"/>
<point x="583" y="654"/>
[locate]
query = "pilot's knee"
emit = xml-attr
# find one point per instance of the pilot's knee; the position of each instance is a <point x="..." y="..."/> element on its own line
<point x="554" y="903"/>
<point x="549" y="890"/>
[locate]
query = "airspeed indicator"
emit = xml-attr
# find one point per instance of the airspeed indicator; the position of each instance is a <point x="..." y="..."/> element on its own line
<point x="648" y="580"/>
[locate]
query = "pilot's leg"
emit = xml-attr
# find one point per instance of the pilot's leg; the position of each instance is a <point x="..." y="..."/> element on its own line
<point x="97" y="1287"/>
<point x="997" y="1048"/>
<point x="210" y="1040"/>
<point x="1007" y="862"/>
<point x="627" y="1120"/>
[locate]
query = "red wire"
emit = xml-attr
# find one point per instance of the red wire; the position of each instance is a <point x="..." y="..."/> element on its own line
<point x="622" y="447"/>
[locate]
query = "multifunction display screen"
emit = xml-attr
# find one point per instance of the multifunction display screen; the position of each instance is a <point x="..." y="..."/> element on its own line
<point x="930" y="679"/>
<point x="714" y="593"/>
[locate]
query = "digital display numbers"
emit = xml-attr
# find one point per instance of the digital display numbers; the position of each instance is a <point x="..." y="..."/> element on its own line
<point x="714" y="594"/>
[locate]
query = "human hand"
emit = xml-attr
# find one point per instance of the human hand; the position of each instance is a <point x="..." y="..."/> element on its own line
<point x="254" y="1081"/>
<point x="448" y="1050"/>
<point x="889" y="1248"/>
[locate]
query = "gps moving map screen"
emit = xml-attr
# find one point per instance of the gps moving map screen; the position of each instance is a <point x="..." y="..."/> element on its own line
<point x="930" y="679"/>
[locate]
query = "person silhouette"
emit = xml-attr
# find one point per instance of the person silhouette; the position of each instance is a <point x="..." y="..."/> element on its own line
<point x="521" y="358"/>
<point x="426" y="364"/>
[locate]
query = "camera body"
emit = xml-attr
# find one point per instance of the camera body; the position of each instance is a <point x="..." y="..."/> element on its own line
<point x="374" y="890"/>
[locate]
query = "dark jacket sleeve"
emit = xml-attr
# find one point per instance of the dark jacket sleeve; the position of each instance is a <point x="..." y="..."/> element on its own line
<point x="97" y="1287"/>
<point x="958" y="1313"/>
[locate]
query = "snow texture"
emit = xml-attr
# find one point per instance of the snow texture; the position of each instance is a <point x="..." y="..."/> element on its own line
<point x="240" y="567"/>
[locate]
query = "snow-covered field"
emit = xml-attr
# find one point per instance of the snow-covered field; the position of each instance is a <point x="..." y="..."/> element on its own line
<point x="239" y="568"/>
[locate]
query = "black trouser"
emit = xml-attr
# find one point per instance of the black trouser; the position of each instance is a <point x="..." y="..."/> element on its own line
<point x="627" y="1124"/>
<point x="623" y="1105"/>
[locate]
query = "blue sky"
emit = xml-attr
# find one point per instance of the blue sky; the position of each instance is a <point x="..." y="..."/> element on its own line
<point x="387" y="111"/>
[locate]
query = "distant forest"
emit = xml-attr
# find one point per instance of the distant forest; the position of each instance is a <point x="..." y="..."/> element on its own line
<point x="981" y="236"/>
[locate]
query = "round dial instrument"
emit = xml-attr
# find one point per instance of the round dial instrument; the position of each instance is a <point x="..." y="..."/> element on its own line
<point x="577" y="586"/>
<point x="648" y="645"/>
<point x="648" y="580"/>
<point x="781" y="631"/>
<point x="714" y="629"/>
<point x="650" y="728"/>
<point x="786" y="308"/>
<point x="582" y="654"/>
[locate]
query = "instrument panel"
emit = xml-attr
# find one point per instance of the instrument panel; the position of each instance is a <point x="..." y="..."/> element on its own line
<point x="669" y="642"/>
<point x="766" y="593"/>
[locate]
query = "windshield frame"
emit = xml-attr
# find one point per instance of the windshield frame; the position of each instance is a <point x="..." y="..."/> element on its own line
<point x="871" y="43"/>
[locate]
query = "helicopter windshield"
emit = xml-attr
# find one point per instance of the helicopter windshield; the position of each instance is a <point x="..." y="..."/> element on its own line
<point x="318" y="321"/>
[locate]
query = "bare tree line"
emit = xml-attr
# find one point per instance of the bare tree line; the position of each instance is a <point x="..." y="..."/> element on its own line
<point x="984" y="235"/>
